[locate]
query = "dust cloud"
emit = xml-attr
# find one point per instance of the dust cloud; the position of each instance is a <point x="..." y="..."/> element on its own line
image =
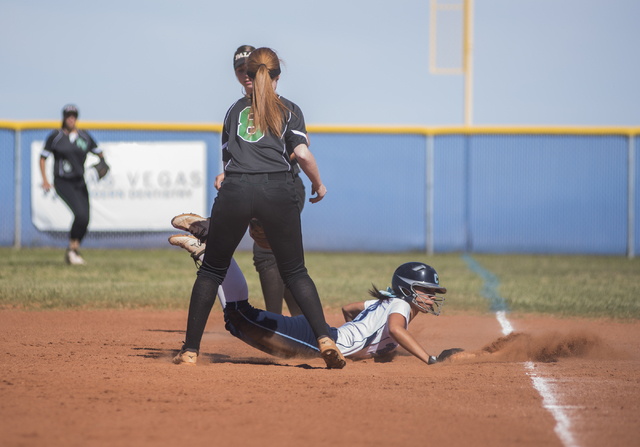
<point x="547" y="347"/>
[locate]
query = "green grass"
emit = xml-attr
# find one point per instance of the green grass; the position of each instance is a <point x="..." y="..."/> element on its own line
<point x="344" y="278"/>
<point x="39" y="279"/>
<point x="585" y="286"/>
<point x="566" y="286"/>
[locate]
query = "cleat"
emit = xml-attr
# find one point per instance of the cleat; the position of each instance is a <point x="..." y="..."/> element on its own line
<point x="331" y="354"/>
<point x="72" y="257"/>
<point x="189" y="243"/>
<point x="185" y="357"/>
<point x="194" y="224"/>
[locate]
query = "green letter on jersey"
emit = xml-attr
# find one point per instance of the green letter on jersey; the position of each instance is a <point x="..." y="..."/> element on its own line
<point x="246" y="129"/>
<point x="81" y="144"/>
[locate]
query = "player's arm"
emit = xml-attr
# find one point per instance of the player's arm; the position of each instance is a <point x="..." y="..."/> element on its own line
<point x="226" y="156"/>
<point x="46" y="186"/>
<point x="292" y="155"/>
<point x="350" y="311"/>
<point x="307" y="163"/>
<point x="397" y="330"/>
<point x="93" y="147"/>
<point x="219" y="180"/>
<point x="46" y="152"/>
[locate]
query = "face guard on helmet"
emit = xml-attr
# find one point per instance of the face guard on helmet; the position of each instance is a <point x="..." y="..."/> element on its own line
<point x="416" y="274"/>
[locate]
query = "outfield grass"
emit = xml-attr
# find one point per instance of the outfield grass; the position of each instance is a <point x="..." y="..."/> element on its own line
<point x="38" y="279"/>
<point x="588" y="286"/>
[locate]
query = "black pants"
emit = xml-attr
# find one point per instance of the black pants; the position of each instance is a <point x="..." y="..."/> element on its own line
<point x="273" y="289"/>
<point x="75" y="195"/>
<point x="272" y="199"/>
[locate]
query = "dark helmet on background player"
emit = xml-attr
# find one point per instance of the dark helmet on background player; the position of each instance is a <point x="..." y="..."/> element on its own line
<point x="67" y="111"/>
<point x="416" y="274"/>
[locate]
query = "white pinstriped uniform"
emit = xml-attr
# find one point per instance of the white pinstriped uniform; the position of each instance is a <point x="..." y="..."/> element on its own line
<point x="368" y="334"/>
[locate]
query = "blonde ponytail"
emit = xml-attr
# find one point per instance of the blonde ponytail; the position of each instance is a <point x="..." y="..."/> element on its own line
<point x="263" y="66"/>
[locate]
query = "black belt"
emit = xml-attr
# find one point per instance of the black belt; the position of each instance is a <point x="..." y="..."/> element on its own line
<point x="261" y="178"/>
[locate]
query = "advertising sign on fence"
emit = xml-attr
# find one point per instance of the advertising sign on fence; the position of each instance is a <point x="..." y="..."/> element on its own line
<point x="147" y="185"/>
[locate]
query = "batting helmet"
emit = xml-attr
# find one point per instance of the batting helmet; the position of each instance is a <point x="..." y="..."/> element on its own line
<point x="412" y="274"/>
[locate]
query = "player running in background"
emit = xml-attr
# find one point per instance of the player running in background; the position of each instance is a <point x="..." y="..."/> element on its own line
<point x="70" y="146"/>
<point x="373" y="328"/>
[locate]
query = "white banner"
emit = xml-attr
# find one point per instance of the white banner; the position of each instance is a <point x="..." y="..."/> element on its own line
<point x="148" y="184"/>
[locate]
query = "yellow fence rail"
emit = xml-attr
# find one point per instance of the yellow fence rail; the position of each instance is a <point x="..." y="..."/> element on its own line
<point x="353" y="129"/>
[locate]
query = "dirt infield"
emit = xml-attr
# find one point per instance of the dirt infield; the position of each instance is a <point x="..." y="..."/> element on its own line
<point x="104" y="378"/>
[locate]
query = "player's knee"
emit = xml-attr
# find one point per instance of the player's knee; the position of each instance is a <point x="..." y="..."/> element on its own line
<point x="82" y="221"/>
<point x="264" y="263"/>
<point x="215" y="274"/>
<point x="291" y="278"/>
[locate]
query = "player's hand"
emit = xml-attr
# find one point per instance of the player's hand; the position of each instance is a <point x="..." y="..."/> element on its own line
<point x="320" y="190"/>
<point x="218" y="182"/>
<point x="444" y="355"/>
<point x="46" y="186"/>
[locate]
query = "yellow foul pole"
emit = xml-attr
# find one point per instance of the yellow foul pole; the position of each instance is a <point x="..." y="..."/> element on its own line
<point x="468" y="62"/>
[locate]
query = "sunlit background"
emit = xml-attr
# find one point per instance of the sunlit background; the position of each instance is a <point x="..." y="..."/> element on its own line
<point x="538" y="62"/>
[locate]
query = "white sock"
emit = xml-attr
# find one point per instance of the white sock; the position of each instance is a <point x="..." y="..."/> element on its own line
<point x="234" y="287"/>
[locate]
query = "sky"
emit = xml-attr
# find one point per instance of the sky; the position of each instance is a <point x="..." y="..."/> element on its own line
<point x="346" y="62"/>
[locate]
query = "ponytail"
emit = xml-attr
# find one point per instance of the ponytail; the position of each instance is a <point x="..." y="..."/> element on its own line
<point x="374" y="292"/>
<point x="263" y="66"/>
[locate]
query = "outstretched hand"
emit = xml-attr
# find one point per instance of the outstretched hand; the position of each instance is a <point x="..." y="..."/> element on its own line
<point x="444" y="355"/>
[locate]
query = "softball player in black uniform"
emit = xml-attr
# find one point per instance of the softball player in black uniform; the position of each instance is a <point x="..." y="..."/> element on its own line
<point x="69" y="147"/>
<point x="259" y="183"/>
<point x="273" y="288"/>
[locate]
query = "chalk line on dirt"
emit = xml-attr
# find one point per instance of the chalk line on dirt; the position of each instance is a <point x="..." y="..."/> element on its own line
<point x="506" y="325"/>
<point x="549" y="402"/>
<point x="542" y="385"/>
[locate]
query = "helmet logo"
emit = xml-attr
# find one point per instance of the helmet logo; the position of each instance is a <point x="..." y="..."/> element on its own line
<point x="435" y="278"/>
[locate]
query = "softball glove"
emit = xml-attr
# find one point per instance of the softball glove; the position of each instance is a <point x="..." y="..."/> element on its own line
<point x="257" y="233"/>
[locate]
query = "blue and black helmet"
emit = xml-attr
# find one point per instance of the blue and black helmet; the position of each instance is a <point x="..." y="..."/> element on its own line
<point x="412" y="274"/>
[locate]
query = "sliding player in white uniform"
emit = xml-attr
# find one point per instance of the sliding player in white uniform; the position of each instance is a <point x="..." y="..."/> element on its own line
<point x="373" y="328"/>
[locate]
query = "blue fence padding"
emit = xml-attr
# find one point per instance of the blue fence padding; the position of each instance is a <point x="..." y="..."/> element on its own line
<point x="449" y="193"/>
<point x="7" y="187"/>
<point x="376" y="194"/>
<point x="491" y="193"/>
<point x="548" y="194"/>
